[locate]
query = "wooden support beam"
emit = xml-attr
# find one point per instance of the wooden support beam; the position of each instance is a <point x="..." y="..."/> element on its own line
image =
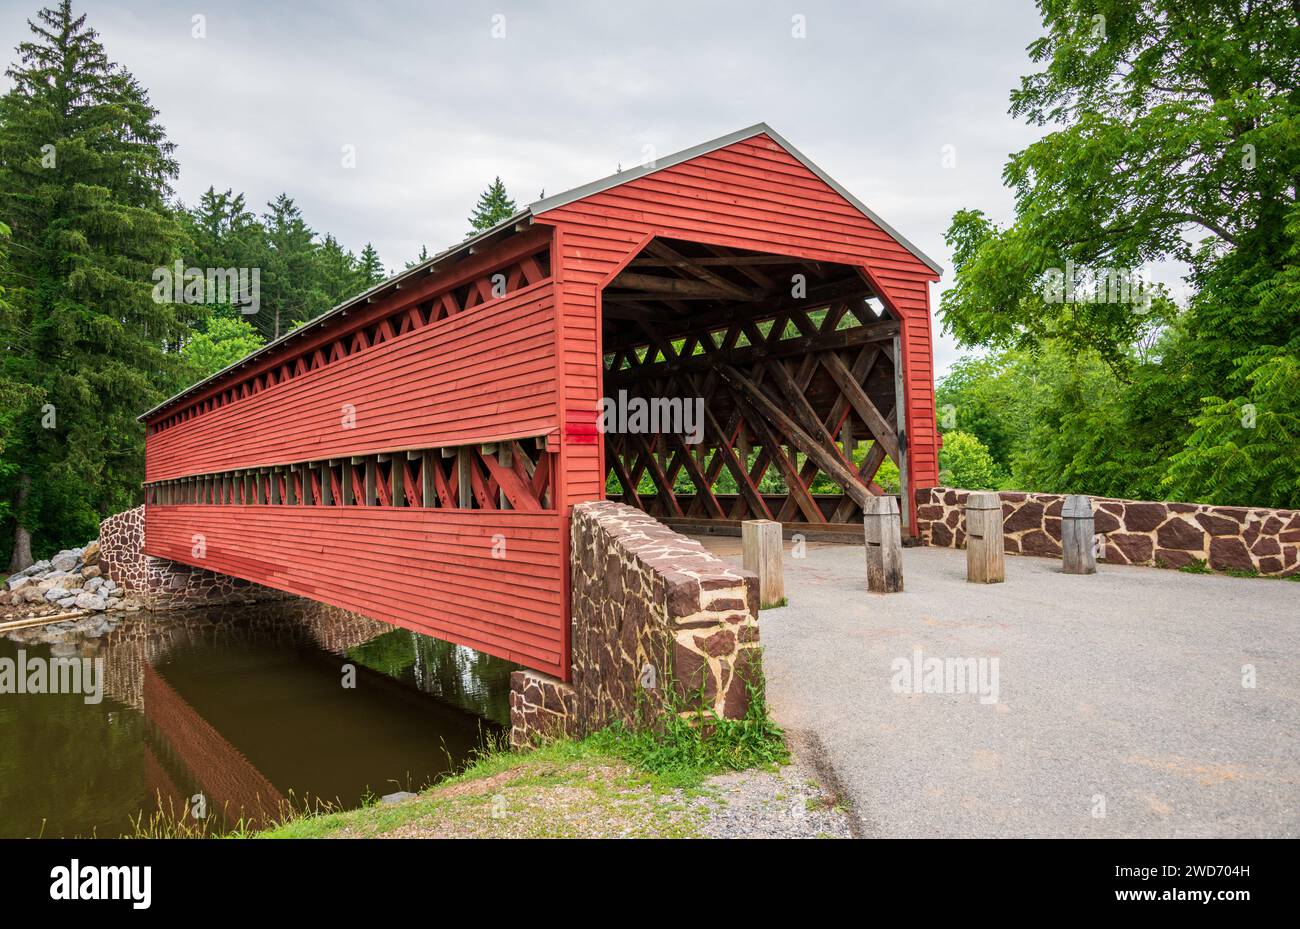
<point x="506" y="458"/>
<point x="464" y="477"/>
<point x="697" y="270"/>
<point x="428" y="490"/>
<point x="761" y="350"/>
<point x="852" y="390"/>
<point x="326" y="484"/>
<point x="396" y="482"/>
<point x="828" y="461"/>
<point x="652" y="285"/>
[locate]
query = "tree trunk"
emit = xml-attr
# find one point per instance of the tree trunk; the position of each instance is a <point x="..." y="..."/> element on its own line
<point x="22" y="554"/>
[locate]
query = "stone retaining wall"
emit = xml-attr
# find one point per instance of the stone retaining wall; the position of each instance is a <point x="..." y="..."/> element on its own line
<point x="1137" y="532"/>
<point x="657" y="621"/>
<point x="164" y="584"/>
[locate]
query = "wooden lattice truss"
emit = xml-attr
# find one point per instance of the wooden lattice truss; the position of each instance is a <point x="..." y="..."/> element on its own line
<point x="512" y="475"/>
<point x="791" y="385"/>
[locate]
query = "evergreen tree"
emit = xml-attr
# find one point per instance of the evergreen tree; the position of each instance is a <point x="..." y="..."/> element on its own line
<point x="420" y="258"/>
<point x="370" y="267"/>
<point x="494" y="205"/>
<point x="337" y="272"/>
<point x="291" y="287"/>
<point x="84" y="181"/>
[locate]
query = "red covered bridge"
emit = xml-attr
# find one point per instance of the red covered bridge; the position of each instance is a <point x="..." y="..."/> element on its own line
<point x="413" y="454"/>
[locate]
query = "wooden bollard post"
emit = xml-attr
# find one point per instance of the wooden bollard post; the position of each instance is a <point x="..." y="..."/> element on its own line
<point x="883" y="534"/>
<point x="761" y="541"/>
<point x="984" y="558"/>
<point x="1077" y="552"/>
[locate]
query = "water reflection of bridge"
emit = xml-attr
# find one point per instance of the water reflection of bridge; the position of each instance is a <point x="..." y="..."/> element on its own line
<point x="248" y="706"/>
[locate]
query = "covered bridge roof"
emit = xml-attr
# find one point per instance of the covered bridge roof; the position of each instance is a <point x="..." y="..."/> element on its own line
<point x="520" y="221"/>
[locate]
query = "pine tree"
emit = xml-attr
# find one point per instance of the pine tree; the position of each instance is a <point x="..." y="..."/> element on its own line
<point x="420" y="258"/>
<point x="494" y="205"/>
<point x="370" y="267"/>
<point x="291" y="287"/>
<point x="337" y="271"/>
<point x="84" y="181"/>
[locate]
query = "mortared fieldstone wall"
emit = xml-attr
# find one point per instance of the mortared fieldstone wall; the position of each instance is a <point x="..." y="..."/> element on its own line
<point x="1137" y="532"/>
<point x="657" y="622"/>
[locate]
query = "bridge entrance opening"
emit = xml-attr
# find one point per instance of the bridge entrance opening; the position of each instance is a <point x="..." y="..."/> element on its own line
<point x="743" y="385"/>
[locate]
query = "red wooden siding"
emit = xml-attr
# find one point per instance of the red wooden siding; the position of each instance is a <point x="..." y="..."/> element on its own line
<point x="428" y="570"/>
<point x="752" y="194"/>
<point x="485" y="373"/>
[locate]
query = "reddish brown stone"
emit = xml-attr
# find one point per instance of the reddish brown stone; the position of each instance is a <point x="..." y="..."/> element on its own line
<point x="1266" y="546"/>
<point x="691" y="672"/>
<point x="683" y="596"/>
<point x="1291" y="535"/>
<point x="1232" y="512"/>
<point x="1137" y="549"/>
<point x="747" y="634"/>
<point x="1272" y="525"/>
<point x="1111" y="506"/>
<point x="1181" y="507"/>
<point x="1029" y="516"/>
<point x="1178" y="533"/>
<point x="1038" y="542"/>
<point x="722" y="642"/>
<point x="1011" y="545"/>
<point x="941" y="535"/>
<point x="1167" y="558"/>
<point x="1229" y="553"/>
<point x="1270" y="566"/>
<point x="1217" y="525"/>
<point x="1104" y="522"/>
<point x="1143" y="517"/>
<point x="1054" y="508"/>
<point x="1053" y="526"/>
<point x="930" y="511"/>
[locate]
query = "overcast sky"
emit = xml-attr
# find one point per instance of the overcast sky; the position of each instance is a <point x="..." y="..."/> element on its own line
<point x="436" y="105"/>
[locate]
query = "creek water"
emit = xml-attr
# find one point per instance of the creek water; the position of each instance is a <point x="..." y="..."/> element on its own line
<point x="237" y="712"/>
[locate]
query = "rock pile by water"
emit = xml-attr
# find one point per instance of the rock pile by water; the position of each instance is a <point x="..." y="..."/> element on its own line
<point x="71" y="582"/>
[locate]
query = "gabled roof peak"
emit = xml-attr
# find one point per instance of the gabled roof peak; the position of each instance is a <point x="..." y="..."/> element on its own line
<point x="686" y="154"/>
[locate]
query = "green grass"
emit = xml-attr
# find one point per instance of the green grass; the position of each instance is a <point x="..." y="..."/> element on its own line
<point x="685" y="748"/>
<point x="563" y="789"/>
<point x="1200" y="567"/>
